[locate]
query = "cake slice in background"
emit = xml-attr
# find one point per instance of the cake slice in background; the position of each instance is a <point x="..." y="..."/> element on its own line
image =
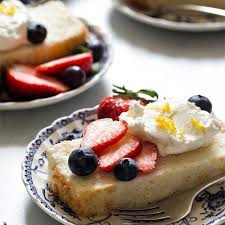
<point x="64" y="32"/>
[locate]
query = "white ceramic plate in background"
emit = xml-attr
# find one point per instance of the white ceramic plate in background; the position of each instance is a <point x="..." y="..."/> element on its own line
<point x="208" y="207"/>
<point x="95" y="33"/>
<point x="163" y="23"/>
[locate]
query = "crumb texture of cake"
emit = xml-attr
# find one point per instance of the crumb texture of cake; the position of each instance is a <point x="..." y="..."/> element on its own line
<point x="64" y="31"/>
<point x="99" y="192"/>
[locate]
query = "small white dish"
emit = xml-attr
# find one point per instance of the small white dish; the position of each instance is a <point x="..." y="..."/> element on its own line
<point x="96" y="34"/>
<point x="124" y="8"/>
<point x="208" y="207"/>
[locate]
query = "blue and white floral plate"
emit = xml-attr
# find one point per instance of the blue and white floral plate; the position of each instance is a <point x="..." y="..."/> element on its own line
<point x="208" y="208"/>
<point x="96" y="35"/>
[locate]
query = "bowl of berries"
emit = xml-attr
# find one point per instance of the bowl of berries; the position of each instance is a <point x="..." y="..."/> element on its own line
<point x="25" y="86"/>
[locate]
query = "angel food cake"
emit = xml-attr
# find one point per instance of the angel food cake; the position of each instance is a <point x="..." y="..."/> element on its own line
<point x="22" y="42"/>
<point x="152" y="151"/>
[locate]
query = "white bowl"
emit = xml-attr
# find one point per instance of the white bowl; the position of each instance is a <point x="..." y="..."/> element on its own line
<point x="95" y="33"/>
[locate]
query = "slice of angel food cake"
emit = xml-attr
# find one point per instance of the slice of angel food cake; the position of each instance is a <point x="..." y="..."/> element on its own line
<point x="38" y="34"/>
<point x="156" y="148"/>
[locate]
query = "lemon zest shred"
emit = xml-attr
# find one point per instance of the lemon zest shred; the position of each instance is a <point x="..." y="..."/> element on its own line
<point x="181" y="133"/>
<point x="166" y="123"/>
<point x="8" y="10"/>
<point x="198" y="125"/>
<point x="3" y="8"/>
<point x="166" y="108"/>
<point x="172" y="112"/>
<point x="11" y="10"/>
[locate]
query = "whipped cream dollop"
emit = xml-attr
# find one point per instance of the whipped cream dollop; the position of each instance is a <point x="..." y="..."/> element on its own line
<point x="173" y="125"/>
<point x="14" y="18"/>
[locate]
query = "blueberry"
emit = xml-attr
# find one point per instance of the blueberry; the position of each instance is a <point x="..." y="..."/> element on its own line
<point x="97" y="50"/>
<point x="36" y="33"/>
<point x="74" y="76"/>
<point x="126" y="169"/>
<point x="83" y="161"/>
<point x="26" y="2"/>
<point x="31" y="2"/>
<point x="202" y="102"/>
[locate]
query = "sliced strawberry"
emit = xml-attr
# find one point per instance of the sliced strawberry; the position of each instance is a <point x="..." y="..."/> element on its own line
<point x="57" y="66"/>
<point x="128" y="146"/>
<point x="102" y="133"/>
<point x="24" y="81"/>
<point x="146" y="159"/>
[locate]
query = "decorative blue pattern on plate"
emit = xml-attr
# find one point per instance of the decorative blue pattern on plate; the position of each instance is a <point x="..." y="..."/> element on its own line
<point x="208" y="207"/>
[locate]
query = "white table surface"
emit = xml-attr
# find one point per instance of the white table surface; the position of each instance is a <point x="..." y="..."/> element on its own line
<point x="174" y="64"/>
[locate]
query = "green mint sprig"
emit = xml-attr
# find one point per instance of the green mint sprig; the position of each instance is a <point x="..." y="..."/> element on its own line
<point x="145" y="95"/>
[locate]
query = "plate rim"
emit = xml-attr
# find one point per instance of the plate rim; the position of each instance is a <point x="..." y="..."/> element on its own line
<point x="166" y="24"/>
<point x="54" y="215"/>
<point x="41" y="102"/>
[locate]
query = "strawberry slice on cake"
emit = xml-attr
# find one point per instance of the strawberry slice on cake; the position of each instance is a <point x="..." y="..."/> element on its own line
<point x="128" y="146"/>
<point x="57" y="66"/>
<point x="102" y="133"/>
<point x="146" y="159"/>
